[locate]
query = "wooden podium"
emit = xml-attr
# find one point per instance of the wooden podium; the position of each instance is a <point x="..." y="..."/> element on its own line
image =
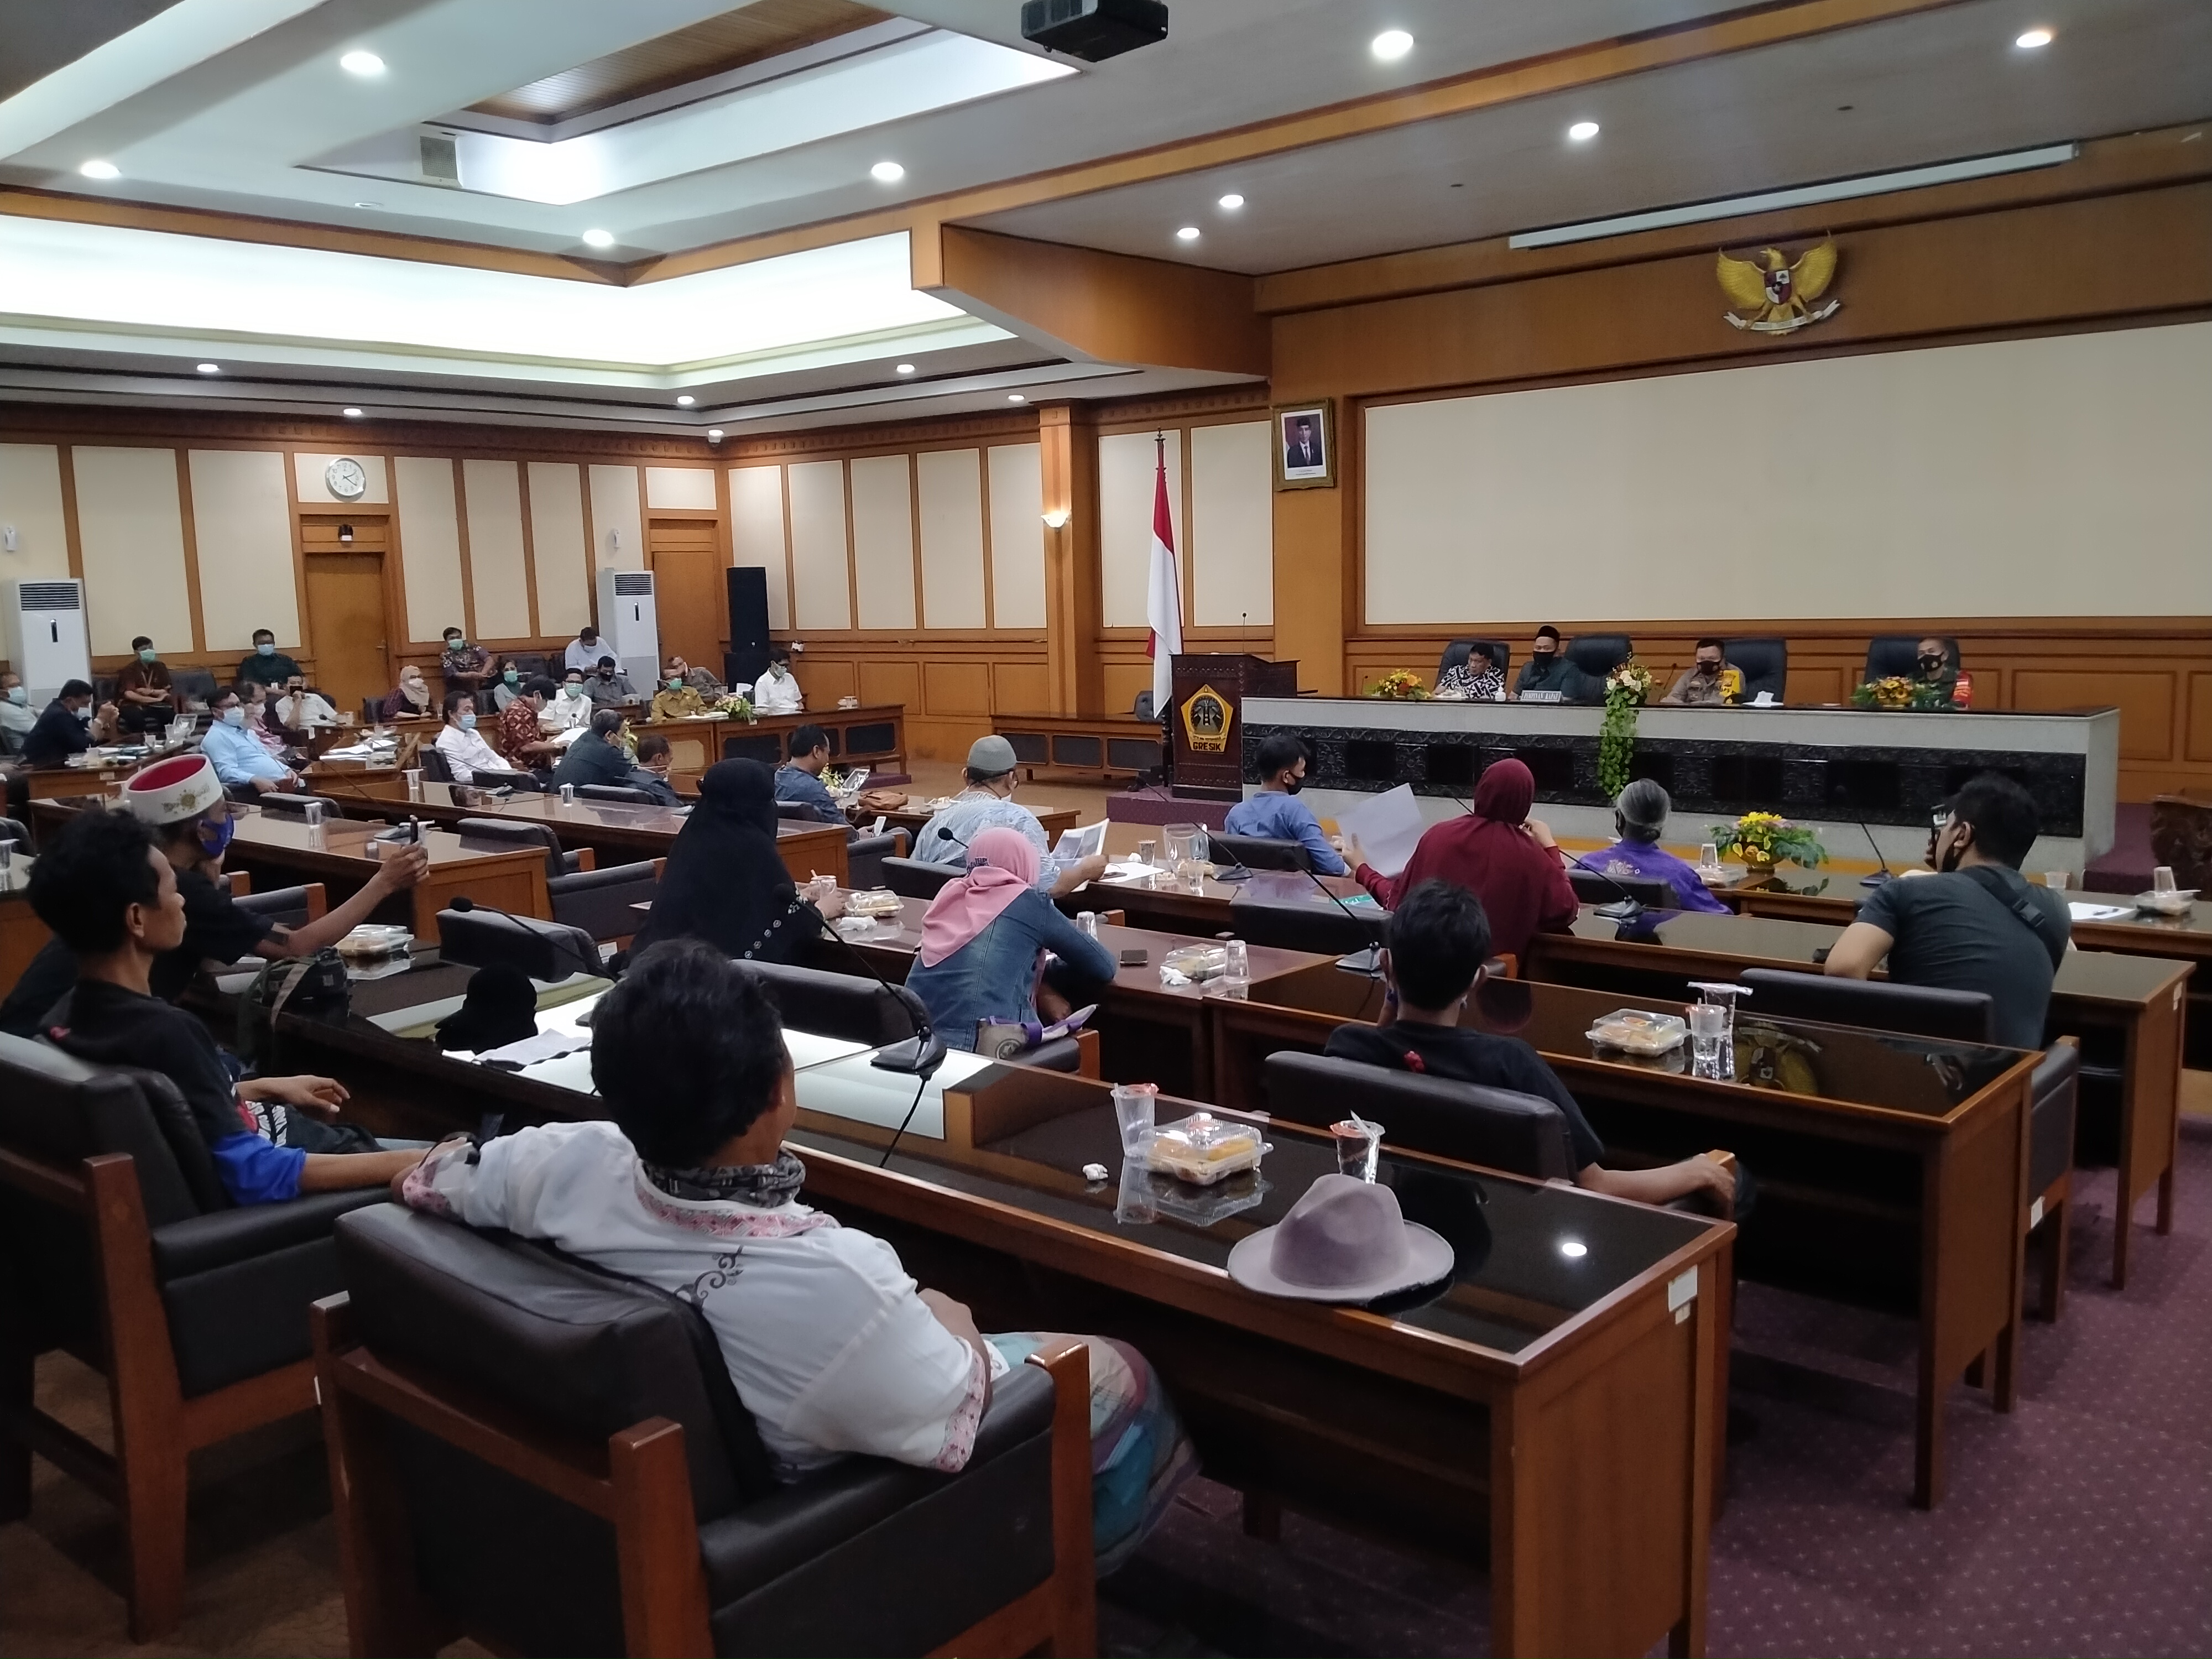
<point x="1208" y="718"/>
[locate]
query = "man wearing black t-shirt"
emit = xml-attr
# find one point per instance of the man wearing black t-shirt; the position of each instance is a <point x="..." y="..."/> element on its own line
<point x="1438" y="940"/>
<point x="112" y="897"/>
<point x="183" y="801"/>
<point x="1976" y="925"/>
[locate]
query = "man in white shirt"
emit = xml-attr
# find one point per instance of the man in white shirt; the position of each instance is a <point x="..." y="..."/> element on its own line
<point x="301" y="708"/>
<point x="584" y="651"/>
<point x="464" y="750"/>
<point x="568" y="711"/>
<point x="777" y="692"/>
<point x="17" y="717"/>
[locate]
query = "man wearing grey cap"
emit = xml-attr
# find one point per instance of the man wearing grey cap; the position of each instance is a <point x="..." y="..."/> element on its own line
<point x="988" y="803"/>
<point x="1639" y="816"/>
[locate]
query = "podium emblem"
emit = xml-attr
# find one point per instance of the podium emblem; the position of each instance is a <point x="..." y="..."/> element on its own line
<point x="1206" y="717"/>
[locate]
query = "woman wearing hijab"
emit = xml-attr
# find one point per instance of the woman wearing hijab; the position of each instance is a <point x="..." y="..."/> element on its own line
<point x="984" y="939"/>
<point x="1496" y="852"/>
<point x="726" y="883"/>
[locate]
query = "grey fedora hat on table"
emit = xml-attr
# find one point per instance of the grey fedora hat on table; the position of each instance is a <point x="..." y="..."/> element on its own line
<point x="1344" y="1241"/>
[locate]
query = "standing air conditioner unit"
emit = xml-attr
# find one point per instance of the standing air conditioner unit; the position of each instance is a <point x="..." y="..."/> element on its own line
<point x="629" y="625"/>
<point x="45" y="637"/>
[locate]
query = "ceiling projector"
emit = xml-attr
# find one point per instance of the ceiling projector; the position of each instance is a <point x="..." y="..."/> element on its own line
<point x="1094" y="30"/>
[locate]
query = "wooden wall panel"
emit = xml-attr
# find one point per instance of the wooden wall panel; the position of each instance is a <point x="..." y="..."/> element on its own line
<point x="130" y="517"/>
<point x="560" y="547"/>
<point x="2145" y="702"/>
<point x="242" y="536"/>
<point x="957" y="687"/>
<point x="31" y="500"/>
<point x="2198" y="746"/>
<point x="890" y="679"/>
<point x="826" y="677"/>
<point x="1020" y="688"/>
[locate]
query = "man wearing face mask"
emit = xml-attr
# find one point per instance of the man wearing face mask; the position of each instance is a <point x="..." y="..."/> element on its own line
<point x="465" y="750"/>
<point x="410" y="699"/>
<point x="1701" y="685"/>
<point x="183" y="801"/>
<point x="777" y="692"/>
<point x="69" y="727"/>
<point x="674" y="699"/>
<point x="1976" y="924"/>
<point x="17" y="717"/>
<point x="466" y="666"/>
<point x="609" y="685"/>
<point x="1935" y="669"/>
<point x="1547" y="673"/>
<point x="1276" y="812"/>
<point x="267" y="666"/>
<point x="568" y="711"/>
<point x="241" y="762"/>
<point x="142" y="690"/>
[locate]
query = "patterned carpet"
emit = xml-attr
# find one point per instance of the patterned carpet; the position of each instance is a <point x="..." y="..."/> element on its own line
<point x="2081" y="1524"/>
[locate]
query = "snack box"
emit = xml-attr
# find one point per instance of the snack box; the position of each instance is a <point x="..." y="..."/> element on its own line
<point x="872" y="902"/>
<point x="374" y="939"/>
<point x="1203" y="1149"/>
<point x="1634" y="1031"/>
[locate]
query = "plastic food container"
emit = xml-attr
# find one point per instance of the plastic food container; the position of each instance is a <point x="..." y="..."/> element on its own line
<point x="1197" y="961"/>
<point x="1634" y="1031"/>
<point x="374" y="939"/>
<point x="2175" y="902"/>
<point x="1203" y="1149"/>
<point x="873" y="902"/>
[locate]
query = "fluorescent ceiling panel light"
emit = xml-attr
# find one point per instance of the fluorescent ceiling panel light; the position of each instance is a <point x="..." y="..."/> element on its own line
<point x="361" y="62"/>
<point x="1391" y="45"/>
<point x="1838" y="190"/>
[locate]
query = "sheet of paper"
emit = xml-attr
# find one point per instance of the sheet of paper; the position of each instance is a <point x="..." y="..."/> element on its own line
<point x="1081" y="842"/>
<point x="546" y="1045"/>
<point x="1388" y="827"/>
<point x="2099" y="912"/>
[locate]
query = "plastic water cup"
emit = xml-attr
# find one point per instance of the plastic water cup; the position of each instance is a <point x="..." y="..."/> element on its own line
<point x="1237" y="965"/>
<point x="568" y="795"/>
<point x="314" y="812"/>
<point x="1709" y="855"/>
<point x="2055" y="880"/>
<point x="1132" y="1112"/>
<point x="1359" y="1147"/>
<point x="1133" y="1203"/>
<point x="1148" y="853"/>
<point x="2161" y="879"/>
<point x="1088" y="922"/>
<point x="413" y="777"/>
<point x="7" y="859"/>
<point x="1708" y="1023"/>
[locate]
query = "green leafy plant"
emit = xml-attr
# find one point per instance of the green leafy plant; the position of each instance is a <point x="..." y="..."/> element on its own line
<point x="1769" y="838"/>
<point x="1626" y="688"/>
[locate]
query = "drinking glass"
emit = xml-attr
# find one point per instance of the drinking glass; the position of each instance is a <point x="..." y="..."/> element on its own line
<point x="1148" y="853"/>
<point x="1708" y="1023"/>
<point x="1133" y="1111"/>
<point x="1709" y="855"/>
<point x="7" y="859"/>
<point x="1133" y="1205"/>
<point x="1359" y="1147"/>
<point x="413" y="777"/>
<point x="1181" y="840"/>
<point x="568" y="795"/>
<point x="2161" y="879"/>
<point x="2055" y="880"/>
<point x="314" y="812"/>
<point x="1236" y="966"/>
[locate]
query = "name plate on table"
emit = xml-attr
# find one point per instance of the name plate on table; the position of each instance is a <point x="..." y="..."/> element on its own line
<point x="1542" y="697"/>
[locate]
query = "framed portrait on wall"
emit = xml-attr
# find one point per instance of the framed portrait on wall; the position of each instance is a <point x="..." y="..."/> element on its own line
<point x="1305" y="445"/>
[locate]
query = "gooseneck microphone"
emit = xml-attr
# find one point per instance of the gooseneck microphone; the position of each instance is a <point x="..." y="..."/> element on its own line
<point x="565" y="936"/>
<point x="920" y="1054"/>
<point x="1630" y="905"/>
<point x="1888" y="874"/>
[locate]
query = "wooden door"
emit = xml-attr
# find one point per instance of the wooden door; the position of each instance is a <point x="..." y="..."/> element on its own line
<point x="689" y="590"/>
<point x="345" y="607"/>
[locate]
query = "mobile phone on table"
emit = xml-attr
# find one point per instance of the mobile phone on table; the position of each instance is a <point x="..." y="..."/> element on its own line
<point x="1135" y="956"/>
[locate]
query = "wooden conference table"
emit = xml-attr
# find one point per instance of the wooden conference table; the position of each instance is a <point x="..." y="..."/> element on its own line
<point x="1056" y="820"/>
<point x="1549" y="1413"/>
<point x="2127" y="1010"/>
<point x="22" y="935"/>
<point x="873" y="737"/>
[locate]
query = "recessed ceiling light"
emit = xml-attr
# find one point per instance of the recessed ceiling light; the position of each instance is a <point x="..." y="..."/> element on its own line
<point x="361" y="62"/>
<point x="906" y="369"/>
<point x="2034" y="39"/>
<point x="713" y="434"/>
<point x="686" y="401"/>
<point x="597" y="237"/>
<point x="368" y="204"/>
<point x="1232" y="202"/>
<point x="1573" y="1249"/>
<point x="100" y="170"/>
<point x="1582" y="131"/>
<point x="1187" y="233"/>
<point x="887" y="173"/>
<point x="1391" y="45"/>
<point x="351" y="412"/>
<point x="1016" y="397"/>
<point x="210" y="368"/>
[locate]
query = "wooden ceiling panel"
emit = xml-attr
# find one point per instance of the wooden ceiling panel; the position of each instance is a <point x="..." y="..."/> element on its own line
<point x="716" y="47"/>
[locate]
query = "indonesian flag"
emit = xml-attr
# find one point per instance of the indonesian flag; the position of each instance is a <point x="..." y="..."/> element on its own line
<point x="1164" y="597"/>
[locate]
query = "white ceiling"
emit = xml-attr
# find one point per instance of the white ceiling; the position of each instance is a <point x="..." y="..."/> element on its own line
<point x="1936" y="87"/>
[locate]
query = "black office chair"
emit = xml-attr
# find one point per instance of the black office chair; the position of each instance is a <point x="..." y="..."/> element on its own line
<point x="1497" y="1128"/>
<point x="1875" y="1005"/>
<point x="603" y="903"/>
<point x="1763" y="663"/>
<point x="1462" y="651"/>
<point x="1257" y="851"/>
<point x="1592" y="888"/>
<point x="286" y="906"/>
<point x="769" y="750"/>
<point x="1320" y="927"/>
<point x="436" y="769"/>
<point x="917" y="877"/>
<point x="119" y="1243"/>
<point x="193" y="685"/>
<point x="547" y="952"/>
<point x="558" y="863"/>
<point x="864" y="856"/>
<point x="1897" y="656"/>
<point x="1598" y="654"/>
<point x="616" y="1496"/>
<point x="799" y="811"/>
<point x="618" y="792"/>
<point x="835" y="1003"/>
<point x="279" y="804"/>
<point x="14" y="829"/>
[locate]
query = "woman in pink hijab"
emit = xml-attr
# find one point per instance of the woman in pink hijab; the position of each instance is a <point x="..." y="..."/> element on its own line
<point x="984" y="940"/>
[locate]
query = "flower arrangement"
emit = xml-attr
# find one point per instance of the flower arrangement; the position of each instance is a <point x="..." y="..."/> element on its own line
<point x="1627" y="689"/>
<point x="1896" y="692"/>
<point x="1401" y="685"/>
<point x="1763" y="840"/>
<point x="738" y="706"/>
<point x="836" y="782"/>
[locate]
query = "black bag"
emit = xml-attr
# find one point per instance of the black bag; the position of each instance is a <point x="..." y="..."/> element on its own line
<point x="299" y="985"/>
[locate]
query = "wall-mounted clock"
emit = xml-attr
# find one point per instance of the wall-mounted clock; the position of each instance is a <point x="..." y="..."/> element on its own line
<point x="345" y="478"/>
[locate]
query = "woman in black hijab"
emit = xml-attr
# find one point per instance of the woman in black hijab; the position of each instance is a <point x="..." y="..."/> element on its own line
<point x="725" y="882"/>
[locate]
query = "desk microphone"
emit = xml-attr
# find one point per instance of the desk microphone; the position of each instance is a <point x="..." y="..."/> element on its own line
<point x="1887" y="873"/>
<point x="1630" y="905"/>
<point x="464" y="905"/>
<point x="1368" y="960"/>
<point x="922" y="1052"/>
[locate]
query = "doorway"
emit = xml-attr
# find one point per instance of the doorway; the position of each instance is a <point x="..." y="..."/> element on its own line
<point x="346" y="607"/>
<point x="689" y="590"/>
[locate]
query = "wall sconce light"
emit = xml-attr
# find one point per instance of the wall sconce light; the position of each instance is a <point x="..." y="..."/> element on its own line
<point x="1056" y="519"/>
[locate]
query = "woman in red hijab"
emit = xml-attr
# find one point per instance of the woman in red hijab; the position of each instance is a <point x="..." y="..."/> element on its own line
<point x="1496" y="852"/>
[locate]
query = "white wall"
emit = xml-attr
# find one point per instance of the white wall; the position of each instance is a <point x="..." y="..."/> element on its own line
<point x="1127" y="480"/>
<point x="1017" y="535"/>
<point x="242" y="540"/>
<point x="757" y="533"/>
<point x="559" y="548"/>
<point x="681" y="487"/>
<point x="130" y="528"/>
<point x="499" y="577"/>
<point x="1232" y="525"/>
<point x="310" y="467"/>
<point x="821" y="595"/>
<point x="429" y="546"/>
<point x="616" y="505"/>
<point x="2058" y="477"/>
<point x="950" y="484"/>
<point x="882" y="540"/>
<point x="31" y="500"/>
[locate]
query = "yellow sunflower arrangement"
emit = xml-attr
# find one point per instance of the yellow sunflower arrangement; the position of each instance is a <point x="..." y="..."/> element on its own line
<point x="1401" y="684"/>
<point x="1763" y="840"/>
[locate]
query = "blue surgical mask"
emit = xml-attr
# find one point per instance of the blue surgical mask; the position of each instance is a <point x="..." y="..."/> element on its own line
<point x="216" y="834"/>
<point x="147" y="655"/>
<point x="265" y="649"/>
<point x="19" y="694"/>
<point x="469" y="720"/>
<point x="234" y="715"/>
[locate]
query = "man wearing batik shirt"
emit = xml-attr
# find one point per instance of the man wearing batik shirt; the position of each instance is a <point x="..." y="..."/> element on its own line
<point x="521" y="733"/>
